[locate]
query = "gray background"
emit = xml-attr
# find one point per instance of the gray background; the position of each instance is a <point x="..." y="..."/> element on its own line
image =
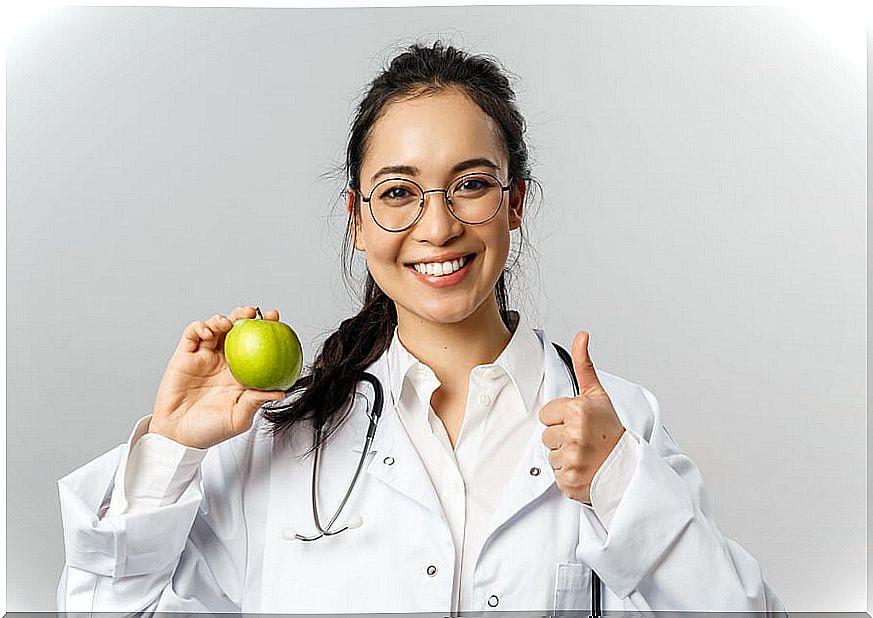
<point x="703" y="217"/>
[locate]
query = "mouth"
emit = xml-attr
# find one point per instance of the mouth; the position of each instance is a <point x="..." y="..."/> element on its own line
<point x="442" y="269"/>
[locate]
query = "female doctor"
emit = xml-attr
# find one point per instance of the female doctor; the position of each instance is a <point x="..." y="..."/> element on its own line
<point x="489" y="483"/>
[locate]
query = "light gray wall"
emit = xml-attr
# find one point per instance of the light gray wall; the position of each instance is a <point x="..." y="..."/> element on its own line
<point x="703" y="216"/>
<point x="869" y="399"/>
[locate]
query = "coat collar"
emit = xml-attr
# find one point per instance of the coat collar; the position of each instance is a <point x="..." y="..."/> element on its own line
<point x="521" y="361"/>
<point x="397" y="463"/>
<point x="557" y="382"/>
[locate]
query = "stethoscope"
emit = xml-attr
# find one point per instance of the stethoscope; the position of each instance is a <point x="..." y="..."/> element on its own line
<point x="375" y="414"/>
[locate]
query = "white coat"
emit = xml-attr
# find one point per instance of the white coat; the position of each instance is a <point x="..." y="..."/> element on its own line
<point x="227" y="545"/>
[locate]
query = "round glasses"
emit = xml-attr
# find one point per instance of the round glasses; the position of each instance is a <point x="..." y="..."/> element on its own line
<point x="396" y="204"/>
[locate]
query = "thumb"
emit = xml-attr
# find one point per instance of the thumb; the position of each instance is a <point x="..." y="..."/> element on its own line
<point x="583" y="367"/>
<point x="252" y="399"/>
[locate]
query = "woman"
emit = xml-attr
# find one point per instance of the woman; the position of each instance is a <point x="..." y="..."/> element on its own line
<point x="489" y="483"/>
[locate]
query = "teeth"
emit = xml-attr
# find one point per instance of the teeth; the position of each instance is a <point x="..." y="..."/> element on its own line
<point x="440" y="268"/>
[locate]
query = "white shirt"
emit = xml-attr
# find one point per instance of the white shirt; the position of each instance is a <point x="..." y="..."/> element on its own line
<point x="503" y="402"/>
<point x="228" y="543"/>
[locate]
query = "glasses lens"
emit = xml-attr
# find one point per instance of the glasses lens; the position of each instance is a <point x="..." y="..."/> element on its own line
<point x="475" y="197"/>
<point x="395" y="203"/>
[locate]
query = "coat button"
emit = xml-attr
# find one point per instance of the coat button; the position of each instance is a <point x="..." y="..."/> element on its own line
<point x="388" y="461"/>
<point x="493" y="600"/>
<point x="534" y="471"/>
<point x="484" y="399"/>
<point x="431" y="570"/>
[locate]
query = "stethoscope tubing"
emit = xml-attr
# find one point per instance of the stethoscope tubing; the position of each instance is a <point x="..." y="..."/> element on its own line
<point x="596" y="609"/>
<point x="375" y="414"/>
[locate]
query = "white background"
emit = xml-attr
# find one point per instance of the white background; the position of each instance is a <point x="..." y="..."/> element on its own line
<point x="703" y="217"/>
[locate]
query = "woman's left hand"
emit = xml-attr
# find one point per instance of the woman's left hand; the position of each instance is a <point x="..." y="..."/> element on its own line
<point x="580" y="431"/>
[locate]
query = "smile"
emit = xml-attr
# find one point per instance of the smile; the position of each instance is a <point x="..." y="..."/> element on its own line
<point x="440" y="269"/>
<point x="442" y="274"/>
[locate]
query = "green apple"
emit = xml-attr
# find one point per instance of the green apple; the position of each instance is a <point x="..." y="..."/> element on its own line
<point x="263" y="354"/>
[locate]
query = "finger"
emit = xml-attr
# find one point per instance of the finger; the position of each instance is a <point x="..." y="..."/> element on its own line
<point x="248" y="405"/>
<point x="589" y="384"/>
<point x="218" y="325"/>
<point x="272" y="314"/>
<point x="554" y="412"/>
<point x="252" y="399"/>
<point x="242" y="312"/>
<point x="553" y="437"/>
<point x="556" y="460"/>
<point x="194" y="335"/>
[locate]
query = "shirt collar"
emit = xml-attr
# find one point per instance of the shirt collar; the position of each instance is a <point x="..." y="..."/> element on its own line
<point x="522" y="360"/>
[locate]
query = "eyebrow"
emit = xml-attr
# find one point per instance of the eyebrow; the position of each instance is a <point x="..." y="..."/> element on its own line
<point x="411" y="170"/>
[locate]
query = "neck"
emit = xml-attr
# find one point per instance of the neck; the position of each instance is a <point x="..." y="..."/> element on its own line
<point x="452" y="350"/>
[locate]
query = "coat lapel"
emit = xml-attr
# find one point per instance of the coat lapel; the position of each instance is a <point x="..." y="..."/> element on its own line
<point x="394" y="460"/>
<point x="526" y="484"/>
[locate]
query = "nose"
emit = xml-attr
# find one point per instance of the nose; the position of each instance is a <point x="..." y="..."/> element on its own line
<point x="437" y="224"/>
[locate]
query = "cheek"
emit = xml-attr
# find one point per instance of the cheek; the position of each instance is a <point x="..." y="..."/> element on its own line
<point x="382" y="251"/>
<point x="500" y="242"/>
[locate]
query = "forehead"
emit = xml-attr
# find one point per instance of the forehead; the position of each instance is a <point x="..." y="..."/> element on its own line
<point x="432" y="132"/>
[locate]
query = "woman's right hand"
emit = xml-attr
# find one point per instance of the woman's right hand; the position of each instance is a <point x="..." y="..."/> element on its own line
<point x="199" y="402"/>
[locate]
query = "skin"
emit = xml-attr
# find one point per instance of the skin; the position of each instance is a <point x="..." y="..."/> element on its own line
<point x="580" y="431"/>
<point x="454" y="329"/>
<point x="199" y="403"/>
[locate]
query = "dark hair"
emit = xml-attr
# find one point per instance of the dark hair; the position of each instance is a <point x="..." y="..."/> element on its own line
<point x="328" y="386"/>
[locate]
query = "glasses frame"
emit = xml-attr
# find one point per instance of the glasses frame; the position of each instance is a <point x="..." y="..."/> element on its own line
<point x="445" y="192"/>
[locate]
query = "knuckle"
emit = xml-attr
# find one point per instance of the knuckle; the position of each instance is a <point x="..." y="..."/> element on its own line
<point x="572" y="476"/>
<point x="573" y="449"/>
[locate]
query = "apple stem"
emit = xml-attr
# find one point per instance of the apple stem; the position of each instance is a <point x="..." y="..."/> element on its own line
<point x="258" y="311"/>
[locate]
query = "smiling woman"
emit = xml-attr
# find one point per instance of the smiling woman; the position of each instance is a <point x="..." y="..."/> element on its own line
<point x="489" y="481"/>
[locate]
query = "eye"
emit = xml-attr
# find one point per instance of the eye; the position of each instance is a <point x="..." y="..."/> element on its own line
<point x="472" y="183"/>
<point x="396" y="192"/>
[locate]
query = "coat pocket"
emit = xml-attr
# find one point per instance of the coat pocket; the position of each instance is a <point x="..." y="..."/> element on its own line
<point x="572" y="586"/>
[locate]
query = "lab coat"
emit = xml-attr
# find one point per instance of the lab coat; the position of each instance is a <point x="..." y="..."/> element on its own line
<point x="227" y="545"/>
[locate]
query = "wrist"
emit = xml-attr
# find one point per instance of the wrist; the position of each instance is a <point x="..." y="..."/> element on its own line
<point x="155" y="426"/>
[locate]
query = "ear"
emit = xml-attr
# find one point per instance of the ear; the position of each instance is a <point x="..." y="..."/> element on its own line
<point x="516" y="202"/>
<point x="355" y="226"/>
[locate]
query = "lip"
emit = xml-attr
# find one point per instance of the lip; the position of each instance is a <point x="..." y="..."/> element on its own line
<point x="446" y="257"/>
<point x="444" y="280"/>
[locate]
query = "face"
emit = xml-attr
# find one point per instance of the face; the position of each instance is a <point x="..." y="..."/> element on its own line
<point x="433" y="134"/>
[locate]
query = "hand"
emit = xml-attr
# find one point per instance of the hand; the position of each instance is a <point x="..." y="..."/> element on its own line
<point x="580" y="431"/>
<point x="199" y="402"/>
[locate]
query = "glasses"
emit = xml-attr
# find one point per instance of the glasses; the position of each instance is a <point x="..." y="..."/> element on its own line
<point x="396" y="204"/>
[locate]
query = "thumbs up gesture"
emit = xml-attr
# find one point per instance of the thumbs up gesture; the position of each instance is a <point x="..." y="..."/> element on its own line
<point x="580" y="431"/>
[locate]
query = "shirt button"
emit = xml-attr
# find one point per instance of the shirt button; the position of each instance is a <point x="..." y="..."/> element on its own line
<point x="493" y="600"/>
<point x="534" y="471"/>
<point x="388" y="461"/>
<point x="484" y="399"/>
<point x="431" y="570"/>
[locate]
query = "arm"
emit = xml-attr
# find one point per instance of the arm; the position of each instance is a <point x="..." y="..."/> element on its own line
<point x="662" y="549"/>
<point x="147" y="551"/>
